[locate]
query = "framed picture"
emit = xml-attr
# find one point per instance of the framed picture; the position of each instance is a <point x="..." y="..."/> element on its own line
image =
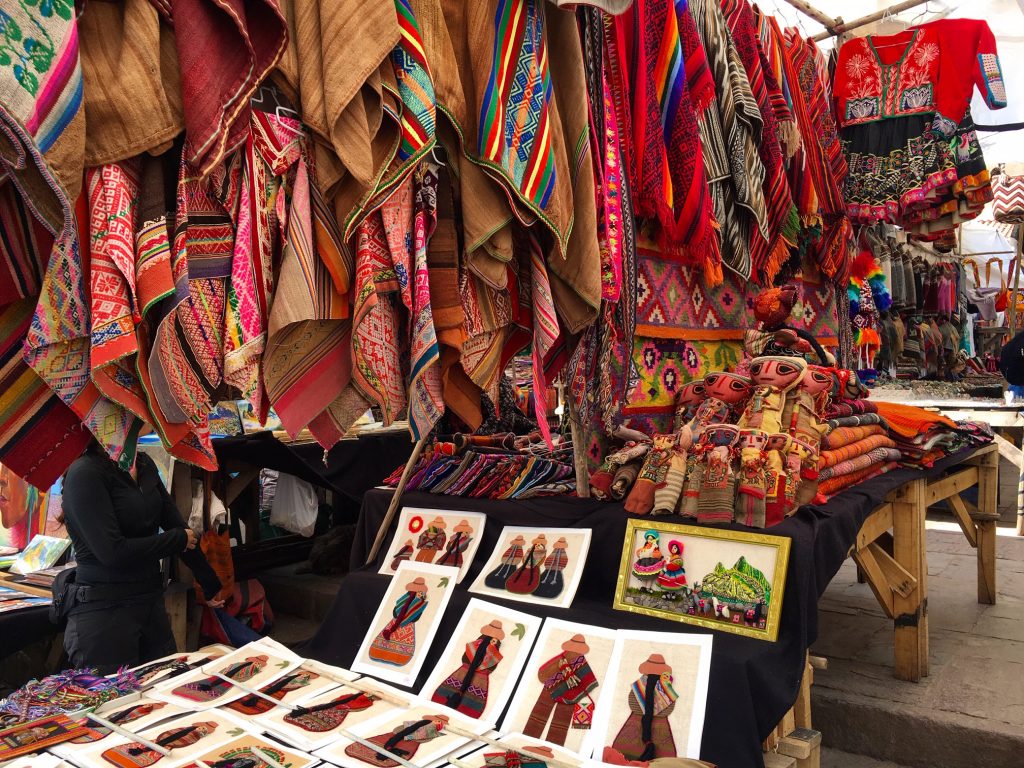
<point x="434" y="536"/>
<point x="481" y="664"/>
<point x="42" y="552"/>
<point x="560" y="686"/>
<point x="399" y="637"/>
<point x="230" y="677"/>
<point x="728" y="580"/>
<point x="422" y="735"/>
<point x="318" y="720"/>
<point x="535" y="565"/>
<point x="669" y="669"/>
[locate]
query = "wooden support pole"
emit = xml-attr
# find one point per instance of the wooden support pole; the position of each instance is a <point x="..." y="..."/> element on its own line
<point x="1015" y="280"/>
<point x="846" y="26"/>
<point x="988" y="506"/>
<point x="579" y="450"/>
<point x="396" y="499"/>
<point x="809" y="10"/>
<point x="911" y="611"/>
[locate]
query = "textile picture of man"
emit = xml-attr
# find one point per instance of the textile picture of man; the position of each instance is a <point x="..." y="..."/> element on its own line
<point x="465" y="690"/>
<point x="396" y="643"/>
<point x="567" y="698"/>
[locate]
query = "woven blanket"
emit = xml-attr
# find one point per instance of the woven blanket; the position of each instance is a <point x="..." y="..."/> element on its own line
<point x="850" y="408"/>
<point x="909" y="421"/>
<point x="39" y="435"/>
<point x="831" y="487"/>
<point x="848" y="467"/>
<point x="858" y="420"/>
<point x="829" y="458"/>
<point x="841" y="436"/>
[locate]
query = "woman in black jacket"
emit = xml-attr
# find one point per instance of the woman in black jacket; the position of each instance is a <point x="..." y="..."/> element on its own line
<point x="122" y="524"/>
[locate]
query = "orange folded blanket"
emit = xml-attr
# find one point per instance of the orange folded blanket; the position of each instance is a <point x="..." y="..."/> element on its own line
<point x="832" y="457"/>
<point x="909" y="421"/>
<point x="841" y="436"/>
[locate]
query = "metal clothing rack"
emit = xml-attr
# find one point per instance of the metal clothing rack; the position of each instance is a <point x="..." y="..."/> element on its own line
<point x="837" y="27"/>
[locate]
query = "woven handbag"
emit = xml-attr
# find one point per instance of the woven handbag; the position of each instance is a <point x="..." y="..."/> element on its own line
<point x="1008" y="196"/>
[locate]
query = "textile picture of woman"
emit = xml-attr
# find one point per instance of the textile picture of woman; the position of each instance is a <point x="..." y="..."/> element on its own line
<point x="136" y="755"/>
<point x="528" y="757"/>
<point x="121" y="717"/>
<point x="672" y="578"/>
<point x="404" y="553"/>
<point x="462" y="535"/>
<point x="402" y="742"/>
<point x="465" y="690"/>
<point x="646" y="734"/>
<point x="396" y="643"/>
<point x="321" y="718"/>
<point x="509" y="560"/>
<point x="649" y="560"/>
<point x="252" y="704"/>
<point x="552" y="581"/>
<point x="213" y="687"/>
<point x="526" y="577"/>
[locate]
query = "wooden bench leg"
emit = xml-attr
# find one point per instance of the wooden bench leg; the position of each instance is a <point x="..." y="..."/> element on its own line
<point x="988" y="491"/>
<point x="911" y="609"/>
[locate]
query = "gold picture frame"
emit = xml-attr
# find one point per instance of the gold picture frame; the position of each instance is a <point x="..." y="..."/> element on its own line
<point x="654" y="579"/>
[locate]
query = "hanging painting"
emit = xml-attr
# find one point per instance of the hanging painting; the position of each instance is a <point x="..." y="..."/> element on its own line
<point x="251" y="751"/>
<point x="561" y="683"/>
<point x="653" y="704"/>
<point x="718" y="578"/>
<point x="536" y="565"/>
<point x="483" y="660"/>
<point x="396" y="644"/>
<point x="434" y="536"/>
<point x="421" y="735"/>
<point x="518" y="751"/>
<point x="318" y="720"/>
<point x="230" y="677"/>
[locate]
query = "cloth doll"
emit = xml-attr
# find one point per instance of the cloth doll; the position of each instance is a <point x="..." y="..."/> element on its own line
<point x="776" y="505"/>
<point x="717" y="485"/>
<point x="689" y="397"/>
<point x="601" y="480"/>
<point x="652" y="476"/>
<point x="752" y="482"/>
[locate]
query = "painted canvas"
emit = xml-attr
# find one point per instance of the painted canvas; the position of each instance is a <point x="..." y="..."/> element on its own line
<point x="396" y="644"/>
<point x="42" y="552"/>
<point x="718" y="578"/>
<point x="536" y="565"/>
<point x="434" y="536"/>
<point x="252" y="751"/>
<point x="422" y="735"/>
<point x="519" y="751"/>
<point x="653" y="704"/>
<point x="317" y="720"/>
<point x="23" y="511"/>
<point x="561" y="683"/>
<point x="185" y="739"/>
<point x="230" y="677"/>
<point x="483" y="660"/>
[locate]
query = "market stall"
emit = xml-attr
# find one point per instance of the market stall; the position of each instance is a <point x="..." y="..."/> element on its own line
<point x="617" y="277"/>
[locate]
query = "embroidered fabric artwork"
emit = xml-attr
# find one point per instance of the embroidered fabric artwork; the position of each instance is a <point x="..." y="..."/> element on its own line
<point x="465" y="690"/>
<point x="325" y="717"/>
<point x="404" y="741"/>
<point x="136" y="755"/>
<point x="396" y="643"/>
<point x="209" y="688"/>
<point x="646" y="734"/>
<point x="566" y="700"/>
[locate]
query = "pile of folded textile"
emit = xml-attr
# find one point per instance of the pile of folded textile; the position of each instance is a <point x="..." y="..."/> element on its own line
<point x="856" y="448"/>
<point x="492" y="467"/>
<point x="925" y="437"/>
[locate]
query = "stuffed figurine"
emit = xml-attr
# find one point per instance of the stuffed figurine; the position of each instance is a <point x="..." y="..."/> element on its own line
<point x="602" y="479"/>
<point x="716" y="497"/>
<point x="689" y="397"/>
<point x="776" y="504"/>
<point x="652" y="476"/>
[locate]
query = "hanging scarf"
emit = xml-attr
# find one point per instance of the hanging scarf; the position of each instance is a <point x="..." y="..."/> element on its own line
<point x="667" y="176"/>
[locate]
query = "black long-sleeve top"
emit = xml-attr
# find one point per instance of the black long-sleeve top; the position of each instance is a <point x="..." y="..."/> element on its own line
<point x="121" y="528"/>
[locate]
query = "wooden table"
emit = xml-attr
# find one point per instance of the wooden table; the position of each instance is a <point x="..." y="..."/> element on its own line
<point x="892" y="556"/>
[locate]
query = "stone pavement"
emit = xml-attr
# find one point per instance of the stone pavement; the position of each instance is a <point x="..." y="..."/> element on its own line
<point x="970" y="710"/>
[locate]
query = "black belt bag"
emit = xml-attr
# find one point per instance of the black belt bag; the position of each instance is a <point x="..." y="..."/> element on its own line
<point x="63" y="592"/>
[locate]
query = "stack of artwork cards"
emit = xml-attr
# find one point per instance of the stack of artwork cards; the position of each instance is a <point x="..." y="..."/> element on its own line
<point x="518" y="751"/>
<point x="483" y="661"/>
<point x="318" y="720"/>
<point x="653" y="704"/>
<point x="253" y="751"/>
<point x="561" y="684"/>
<point x="400" y="634"/>
<point x="536" y="565"/>
<point x="435" y="536"/>
<point x="37" y="735"/>
<point x="183" y="740"/>
<point x="230" y="677"/>
<point x="422" y="735"/>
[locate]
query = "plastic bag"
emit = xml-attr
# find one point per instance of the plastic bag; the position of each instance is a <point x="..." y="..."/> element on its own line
<point x="295" y="505"/>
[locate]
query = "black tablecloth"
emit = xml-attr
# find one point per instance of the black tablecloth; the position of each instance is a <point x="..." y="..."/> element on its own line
<point x="352" y="468"/>
<point x="19" y="629"/>
<point x="753" y="682"/>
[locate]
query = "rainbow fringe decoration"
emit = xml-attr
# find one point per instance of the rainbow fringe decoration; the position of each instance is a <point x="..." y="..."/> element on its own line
<point x="69" y="691"/>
